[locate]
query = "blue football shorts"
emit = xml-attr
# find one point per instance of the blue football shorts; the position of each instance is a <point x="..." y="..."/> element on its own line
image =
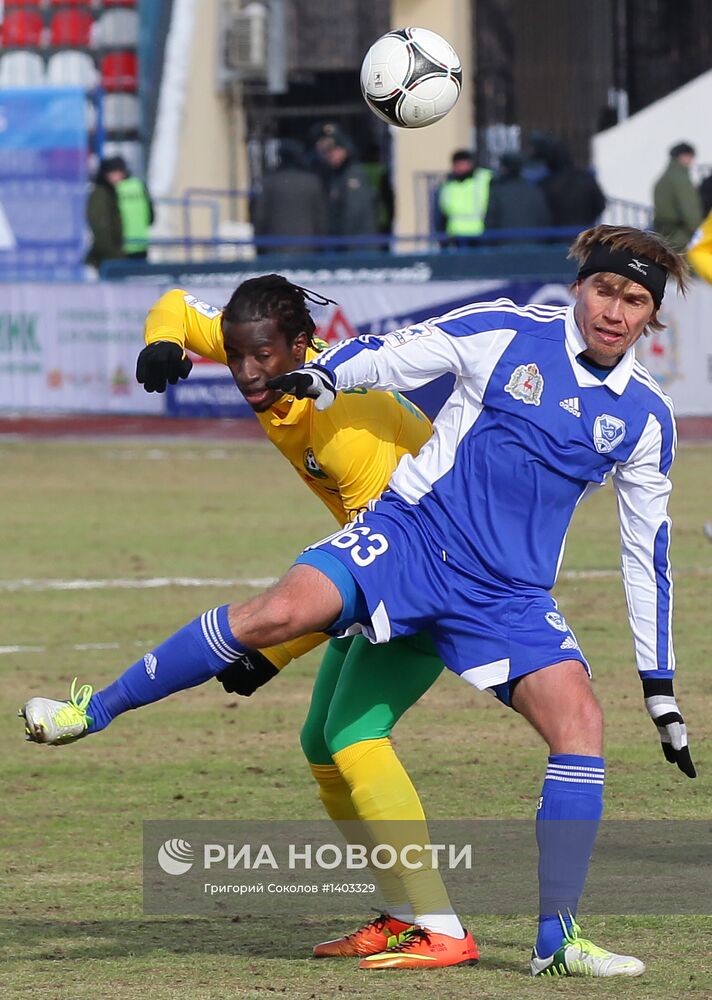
<point x="394" y="582"/>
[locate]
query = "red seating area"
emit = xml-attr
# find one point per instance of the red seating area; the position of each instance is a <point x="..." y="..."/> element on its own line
<point x="119" y="71"/>
<point x="21" y="28"/>
<point x="51" y="25"/>
<point x="71" y="28"/>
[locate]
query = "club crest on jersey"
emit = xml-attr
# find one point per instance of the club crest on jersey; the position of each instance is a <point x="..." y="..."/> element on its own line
<point x="526" y="383"/>
<point x="556" y="621"/>
<point x="608" y="432"/>
<point x="312" y="466"/>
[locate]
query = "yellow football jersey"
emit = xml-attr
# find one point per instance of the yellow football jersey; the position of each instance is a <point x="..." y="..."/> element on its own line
<point x="699" y="252"/>
<point x="346" y="454"/>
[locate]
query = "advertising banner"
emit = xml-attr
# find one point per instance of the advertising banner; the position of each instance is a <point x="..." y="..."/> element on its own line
<point x="43" y="177"/>
<point x="72" y="348"/>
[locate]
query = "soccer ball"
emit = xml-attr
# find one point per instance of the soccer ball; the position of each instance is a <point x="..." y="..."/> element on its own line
<point x="411" y="77"/>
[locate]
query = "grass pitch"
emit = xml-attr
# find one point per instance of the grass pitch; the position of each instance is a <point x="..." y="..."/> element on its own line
<point x="70" y="826"/>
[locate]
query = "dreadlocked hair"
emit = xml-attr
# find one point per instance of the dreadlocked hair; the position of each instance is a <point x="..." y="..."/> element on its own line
<point x="271" y="296"/>
<point x="640" y="244"/>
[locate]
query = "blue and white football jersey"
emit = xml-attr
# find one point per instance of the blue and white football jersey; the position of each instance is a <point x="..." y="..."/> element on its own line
<point x="527" y="432"/>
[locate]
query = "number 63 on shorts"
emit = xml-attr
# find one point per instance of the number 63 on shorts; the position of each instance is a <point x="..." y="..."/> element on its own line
<point x="363" y="543"/>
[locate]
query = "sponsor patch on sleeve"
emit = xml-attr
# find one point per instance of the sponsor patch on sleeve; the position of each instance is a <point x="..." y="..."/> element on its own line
<point x="204" y="308"/>
<point x="398" y="338"/>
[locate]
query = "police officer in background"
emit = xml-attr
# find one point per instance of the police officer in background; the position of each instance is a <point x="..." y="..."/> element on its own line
<point x="462" y="200"/>
<point x="119" y="213"/>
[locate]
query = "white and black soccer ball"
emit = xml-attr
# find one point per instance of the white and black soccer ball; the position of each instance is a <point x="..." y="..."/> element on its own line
<point x="411" y="77"/>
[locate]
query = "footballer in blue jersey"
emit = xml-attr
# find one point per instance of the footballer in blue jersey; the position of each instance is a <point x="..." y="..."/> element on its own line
<point x="466" y="543"/>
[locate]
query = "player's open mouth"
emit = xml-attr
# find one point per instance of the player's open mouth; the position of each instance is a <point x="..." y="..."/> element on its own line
<point x="608" y="336"/>
<point x="255" y="397"/>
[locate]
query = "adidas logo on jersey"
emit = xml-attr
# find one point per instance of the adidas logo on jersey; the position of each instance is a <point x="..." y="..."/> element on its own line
<point x="571" y="405"/>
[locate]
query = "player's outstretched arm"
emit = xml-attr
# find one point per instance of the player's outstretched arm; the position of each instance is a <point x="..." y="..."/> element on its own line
<point x="175" y="322"/>
<point x="402" y="359"/>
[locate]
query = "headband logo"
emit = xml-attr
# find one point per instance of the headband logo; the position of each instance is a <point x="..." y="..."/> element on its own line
<point x="639" y="266"/>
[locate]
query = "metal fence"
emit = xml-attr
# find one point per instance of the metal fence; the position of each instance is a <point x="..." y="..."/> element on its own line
<point x="203" y="225"/>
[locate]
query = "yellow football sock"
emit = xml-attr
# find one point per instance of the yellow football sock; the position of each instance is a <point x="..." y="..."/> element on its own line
<point x="385" y="799"/>
<point x="335" y="794"/>
<point x="279" y="656"/>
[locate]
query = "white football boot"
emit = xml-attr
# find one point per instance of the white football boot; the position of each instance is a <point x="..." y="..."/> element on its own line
<point x="578" y="956"/>
<point x="58" y="722"/>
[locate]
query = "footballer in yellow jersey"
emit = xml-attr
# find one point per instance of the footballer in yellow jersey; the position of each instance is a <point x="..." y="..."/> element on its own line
<point x="699" y="252"/>
<point x="346" y="456"/>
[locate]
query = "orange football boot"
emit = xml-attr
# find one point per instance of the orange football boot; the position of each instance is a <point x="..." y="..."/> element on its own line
<point x="421" y="949"/>
<point x="375" y="936"/>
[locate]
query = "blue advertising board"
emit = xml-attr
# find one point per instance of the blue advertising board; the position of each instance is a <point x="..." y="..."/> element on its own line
<point x="43" y="177"/>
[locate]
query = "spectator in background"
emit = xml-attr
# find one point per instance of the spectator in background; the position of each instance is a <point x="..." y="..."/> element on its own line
<point x="463" y="198"/>
<point x="292" y="201"/>
<point x="574" y="197"/>
<point x="351" y="202"/>
<point x="119" y="213"/>
<point x="538" y="156"/>
<point x="515" y="203"/>
<point x="676" y="201"/>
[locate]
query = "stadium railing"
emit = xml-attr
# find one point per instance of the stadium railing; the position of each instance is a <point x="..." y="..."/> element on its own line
<point x="186" y="232"/>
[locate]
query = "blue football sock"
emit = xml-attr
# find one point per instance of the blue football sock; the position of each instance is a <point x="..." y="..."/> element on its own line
<point x="569" y="812"/>
<point x="193" y="655"/>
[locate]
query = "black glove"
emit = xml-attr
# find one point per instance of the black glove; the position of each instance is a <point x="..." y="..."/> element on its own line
<point x="662" y="708"/>
<point x="249" y="672"/>
<point x="160" y="363"/>
<point x="313" y="382"/>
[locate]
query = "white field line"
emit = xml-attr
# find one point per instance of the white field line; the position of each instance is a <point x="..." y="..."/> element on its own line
<point x="37" y="586"/>
<point x="12" y="586"/>
<point x="81" y="647"/>
<point x="255" y="582"/>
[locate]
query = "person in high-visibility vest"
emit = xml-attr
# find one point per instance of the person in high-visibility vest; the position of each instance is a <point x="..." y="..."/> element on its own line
<point x="463" y="198"/>
<point x="119" y="213"/>
<point x="136" y="211"/>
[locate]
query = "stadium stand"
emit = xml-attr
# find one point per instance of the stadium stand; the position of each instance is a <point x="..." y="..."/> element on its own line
<point x="119" y="71"/>
<point x="22" y="69"/>
<point x="71" y="28"/>
<point x="117" y="28"/>
<point x="121" y="112"/>
<point x="92" y="44"/>
<point x="21" y="28"/>
<point x="72" y="69"/>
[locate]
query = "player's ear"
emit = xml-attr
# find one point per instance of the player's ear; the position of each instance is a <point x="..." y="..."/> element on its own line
<point x="299" y="347"/>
